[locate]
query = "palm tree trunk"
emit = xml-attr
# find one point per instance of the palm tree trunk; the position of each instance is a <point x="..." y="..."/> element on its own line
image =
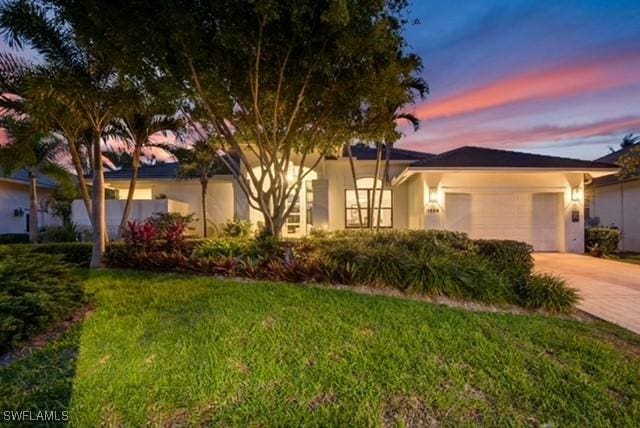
<point x="33" y="211"/>
<point x="355" y="184"/>
<point x="99" y="215"/>
<point x="204" y="182"/>
<point x="372" y="204"/>
<point x="132" y="188"/>
<point x="82" y="182"/>
<point x="385" y="177"/>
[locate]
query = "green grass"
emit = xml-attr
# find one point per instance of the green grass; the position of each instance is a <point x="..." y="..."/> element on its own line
<point x="169" y="349"/>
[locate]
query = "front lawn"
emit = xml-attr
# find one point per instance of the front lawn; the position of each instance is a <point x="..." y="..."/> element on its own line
<point x="628" y="257"/>
<point x="175" y="349"/>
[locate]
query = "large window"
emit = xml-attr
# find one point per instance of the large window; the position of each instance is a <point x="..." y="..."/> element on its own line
<point x="367" y="204"/>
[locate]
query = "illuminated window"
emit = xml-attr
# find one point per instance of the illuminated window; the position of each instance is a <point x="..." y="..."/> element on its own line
<point x="368" y="201"/>
<point x="138" y="194"/>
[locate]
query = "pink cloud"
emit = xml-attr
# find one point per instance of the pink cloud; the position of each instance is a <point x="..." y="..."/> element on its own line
<point x="550" y="84"/>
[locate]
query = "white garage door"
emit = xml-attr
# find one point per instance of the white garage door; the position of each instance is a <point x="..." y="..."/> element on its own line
<point x="530" y="217"/>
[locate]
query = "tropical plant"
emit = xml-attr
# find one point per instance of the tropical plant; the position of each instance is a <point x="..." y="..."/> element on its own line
<point x="629" y="140"/>
<point x="74" y="76"/>
<point x="33" y="151"/>
<point x="198" y="160"/>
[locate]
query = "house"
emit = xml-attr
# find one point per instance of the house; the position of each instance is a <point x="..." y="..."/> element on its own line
<point x="15" y="202"/>
<point x="486" y="193"/>
<point x="612" y="201"/>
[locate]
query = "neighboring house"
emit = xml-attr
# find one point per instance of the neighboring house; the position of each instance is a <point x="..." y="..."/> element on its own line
<point x="484" y="192"/>
<point x="616" y="202"/>
<point x="15" y="203"/>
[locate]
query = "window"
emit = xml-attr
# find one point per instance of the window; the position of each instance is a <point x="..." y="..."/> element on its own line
<point x="366" y="202"/>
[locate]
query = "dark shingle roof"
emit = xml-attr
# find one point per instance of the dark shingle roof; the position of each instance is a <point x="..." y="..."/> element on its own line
<point x="614" y="156"/>
<point x="21" y="176"/>
<point x="364" y="152"/>
<point x="480" y="157"/>
<point x="160" y="170"/>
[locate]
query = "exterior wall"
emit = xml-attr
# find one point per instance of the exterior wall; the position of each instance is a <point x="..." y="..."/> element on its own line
<point x="16" y="195"/>
<point x="470" y="182"/>
<point x="339" y="177"/>
<point x="181" y="195"/>
<point x="618" y="205"/>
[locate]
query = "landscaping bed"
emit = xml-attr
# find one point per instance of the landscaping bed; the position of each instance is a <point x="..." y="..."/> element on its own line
<point x="174" y="350"/>
<point x="437" y="263"/>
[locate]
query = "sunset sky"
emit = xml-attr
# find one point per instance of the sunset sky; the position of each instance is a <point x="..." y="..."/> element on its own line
<point x="547" y="76"/>
<point x="559" y="77"/>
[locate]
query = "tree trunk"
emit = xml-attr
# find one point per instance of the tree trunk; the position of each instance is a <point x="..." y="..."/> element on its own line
<point x="372" y="203"/>
<point x="385" y="177"/>
<point x="82" y="182"/>
<point x="204" y="182"/>
<point x="33" y="211"/>
<point x="99" y="217"/>
<point x="355" y="184"/>
<point x="132" y="188"/>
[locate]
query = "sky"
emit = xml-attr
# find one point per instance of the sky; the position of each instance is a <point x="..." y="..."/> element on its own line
<point x="559" y="77"/>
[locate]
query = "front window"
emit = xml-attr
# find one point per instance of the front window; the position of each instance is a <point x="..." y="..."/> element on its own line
<point x="367" y="204"/>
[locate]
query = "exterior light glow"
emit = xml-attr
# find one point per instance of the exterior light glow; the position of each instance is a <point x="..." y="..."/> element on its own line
<point x="433" y="194"/>
<point x="575" y="194"/>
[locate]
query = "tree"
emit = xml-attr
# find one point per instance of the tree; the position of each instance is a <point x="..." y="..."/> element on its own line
<point x="198" y="161"/>
<point x="33" y="151"/>
<point x="629" y="140"/>
<point x="630" y="163"/>
<point x="281" y="83"/>
<point x="74" y="76"/>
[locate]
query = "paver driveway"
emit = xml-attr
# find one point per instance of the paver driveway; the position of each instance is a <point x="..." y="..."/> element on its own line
<point x="609" y="290"/>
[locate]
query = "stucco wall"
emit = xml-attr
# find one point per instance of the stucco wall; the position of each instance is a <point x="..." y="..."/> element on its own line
<point x="13" y="196"/>
<point x="619" y="205"/>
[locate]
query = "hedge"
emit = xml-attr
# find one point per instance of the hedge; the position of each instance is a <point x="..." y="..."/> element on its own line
<point x="601" y="238"/>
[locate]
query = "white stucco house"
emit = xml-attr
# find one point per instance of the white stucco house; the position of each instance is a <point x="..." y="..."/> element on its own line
<point x="15" y="203"/>
<point x="616" y="202"/>
<point x="486" y="193"/>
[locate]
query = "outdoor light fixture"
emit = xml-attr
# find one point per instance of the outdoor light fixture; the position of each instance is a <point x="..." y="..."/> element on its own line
<point x="433" y="194"/>
<point x="575" y="194"/>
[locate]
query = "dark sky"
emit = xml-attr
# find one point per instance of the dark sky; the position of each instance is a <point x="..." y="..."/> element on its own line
<point x="559" y="77"/>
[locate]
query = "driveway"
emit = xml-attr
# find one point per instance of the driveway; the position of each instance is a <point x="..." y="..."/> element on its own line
<point x="609" y="290"/>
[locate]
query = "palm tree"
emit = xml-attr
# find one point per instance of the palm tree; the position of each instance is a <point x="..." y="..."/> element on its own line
<point x="200" y="160"/>
<point x="73" y="76"/>
<point x="630" y="140"/>
<point x="33" y="151"/>
<point x="136" y="128"/>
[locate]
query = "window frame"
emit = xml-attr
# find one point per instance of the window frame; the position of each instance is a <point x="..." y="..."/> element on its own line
<point x="366" y="224"/>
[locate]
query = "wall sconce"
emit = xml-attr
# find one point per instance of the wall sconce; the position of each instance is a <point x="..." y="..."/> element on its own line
<point x="575" y="194"/>
<point x="433" y="195"/>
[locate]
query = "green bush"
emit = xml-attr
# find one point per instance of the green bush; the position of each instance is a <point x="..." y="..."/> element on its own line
<point x="75" y="253"/>
<point x="603" y="239"/>
<point x="548" y="292"/>
<point x="36" y="290"/>
<point x="512" y="259"/>
<point x="236" y="228"/>
<point x="66" y="233"/>
<point x="14" y="238"/>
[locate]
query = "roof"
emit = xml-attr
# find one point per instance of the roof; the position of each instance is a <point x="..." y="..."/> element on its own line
<point x="480" y="157"/>
<point x="613" y="157"/>
<point x="159" y="170"/>
<point x="364" y="152"/>
<point x="22" y="177"/>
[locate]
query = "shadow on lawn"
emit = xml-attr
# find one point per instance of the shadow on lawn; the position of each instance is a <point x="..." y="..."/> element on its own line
<point x="41" y="382"/>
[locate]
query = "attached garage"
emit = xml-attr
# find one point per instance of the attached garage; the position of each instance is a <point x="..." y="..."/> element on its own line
<point x="531" y="217"/>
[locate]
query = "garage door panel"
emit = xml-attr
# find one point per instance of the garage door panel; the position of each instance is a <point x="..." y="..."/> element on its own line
<point x="530" y="217"/>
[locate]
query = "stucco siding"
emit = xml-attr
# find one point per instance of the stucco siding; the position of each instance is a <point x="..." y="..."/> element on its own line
<point x="618" y="205"/>
<point x="14" y="196"/>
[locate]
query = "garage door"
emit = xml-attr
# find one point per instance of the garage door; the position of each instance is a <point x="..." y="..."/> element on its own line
<point x="530" y="217"/>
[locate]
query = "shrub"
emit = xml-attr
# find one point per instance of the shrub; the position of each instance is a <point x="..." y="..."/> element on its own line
<point x="603" y="239"/>
<point x="75" y="253"/>
<point x="66" y="233"/>
<point x="513" y="259"/>
<point x="14" y="238"/>
<point x="222" y="247"/>
<point x="236" y="228"/>
<point x="36" y="290"/>
<point x="548" y="292"/>
<point x="168" y="221"/>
